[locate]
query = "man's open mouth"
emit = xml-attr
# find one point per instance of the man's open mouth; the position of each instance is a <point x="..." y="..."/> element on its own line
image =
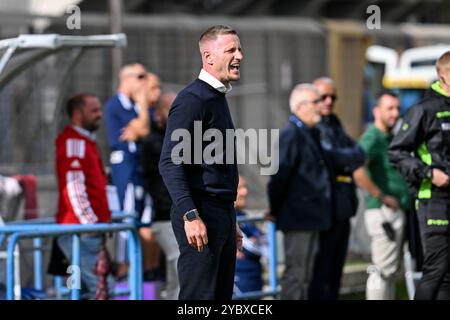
<point x="235" y="67"/>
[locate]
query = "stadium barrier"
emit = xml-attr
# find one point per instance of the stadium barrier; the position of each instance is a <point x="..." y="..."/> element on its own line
<point x="37" y="230"/>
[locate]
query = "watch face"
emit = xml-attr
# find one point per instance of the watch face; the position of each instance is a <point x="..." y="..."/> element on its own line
<point x="191" y="215"/>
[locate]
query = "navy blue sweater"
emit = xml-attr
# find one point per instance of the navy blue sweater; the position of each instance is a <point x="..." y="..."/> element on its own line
<point x="198" y="102"/>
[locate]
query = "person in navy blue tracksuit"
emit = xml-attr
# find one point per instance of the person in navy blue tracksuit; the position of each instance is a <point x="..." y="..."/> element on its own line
<point x="127" y="116"/>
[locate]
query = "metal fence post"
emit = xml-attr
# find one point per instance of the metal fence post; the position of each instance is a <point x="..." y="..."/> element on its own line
<point x="10" y="267"/>
<point x="273" y="253"/>
<point x="135" y="276"/>
<point x="76" y="257"/>
<point x="37" y="253"/>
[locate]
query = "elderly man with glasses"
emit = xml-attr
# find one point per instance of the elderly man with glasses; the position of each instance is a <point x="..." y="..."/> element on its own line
<point x="300" y="193"/>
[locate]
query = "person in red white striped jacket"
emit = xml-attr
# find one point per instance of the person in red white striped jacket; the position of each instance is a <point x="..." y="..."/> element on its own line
<point x="82" y="184"/>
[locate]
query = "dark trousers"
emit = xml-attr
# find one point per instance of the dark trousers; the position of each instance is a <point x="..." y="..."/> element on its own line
<point x="329" y="262"/>
<point x="413" y="237"/>
<point x="208" y="275"/>
<point x="433" y="218"/>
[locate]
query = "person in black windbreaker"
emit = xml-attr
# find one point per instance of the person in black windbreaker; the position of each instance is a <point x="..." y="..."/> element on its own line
<point x="333" y="243"/>
<point x="421" y="153"/>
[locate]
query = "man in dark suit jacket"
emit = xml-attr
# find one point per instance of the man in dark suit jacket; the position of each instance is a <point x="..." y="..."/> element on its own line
<point x="333" y="243"/>
<point x="203" y="193"/>
<point x="300" y="193"/>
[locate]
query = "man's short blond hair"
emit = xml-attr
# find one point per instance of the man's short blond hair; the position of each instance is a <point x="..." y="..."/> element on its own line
<point x="213" y="32"/>
<point x="443" y="62"/>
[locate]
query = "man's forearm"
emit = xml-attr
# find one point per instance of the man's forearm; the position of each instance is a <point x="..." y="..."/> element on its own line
<point x="140" y="127"/>
<point x="141" y="124"/>
<point x="363" y="181"/>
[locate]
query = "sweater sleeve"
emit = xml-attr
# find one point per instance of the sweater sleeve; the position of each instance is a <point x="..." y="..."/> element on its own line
<point x="409" y="140"/>
<point x="72" y="163"/>
<point x="186" y="109"/>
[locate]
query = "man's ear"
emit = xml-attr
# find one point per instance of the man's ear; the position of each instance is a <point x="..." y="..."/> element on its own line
<point x="208" y="57"/>
<point x="76" y="115"/>
<point x="375" y="111"/>
<point x="441" y="77"/>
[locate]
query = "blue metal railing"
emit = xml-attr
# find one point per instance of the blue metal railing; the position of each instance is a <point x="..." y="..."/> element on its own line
<point x="38" y="228"/>
<point x="116" y="216"/>
<point x="37" y="231"/>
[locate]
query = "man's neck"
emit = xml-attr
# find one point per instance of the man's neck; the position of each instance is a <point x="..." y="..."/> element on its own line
<point x="83" y="131"/>
<point x="444" y="87"/>
<point x="380" y="126"/>
<point x="124" y="92"/>
<point x="308" y="125"/>
<point x="212" y="73"/>
<point x="212" y="80"/>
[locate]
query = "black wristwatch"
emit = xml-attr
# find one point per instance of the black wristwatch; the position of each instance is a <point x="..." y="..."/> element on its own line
<point x="191" y="215"/>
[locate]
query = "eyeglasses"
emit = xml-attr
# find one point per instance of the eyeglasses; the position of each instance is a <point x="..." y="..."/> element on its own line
<point x="317" y="101"/>
<point x="332" y="96"/>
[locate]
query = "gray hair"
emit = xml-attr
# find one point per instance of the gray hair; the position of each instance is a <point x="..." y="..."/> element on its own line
<point x="297" y="94"/>
<point x="326" y="80"/>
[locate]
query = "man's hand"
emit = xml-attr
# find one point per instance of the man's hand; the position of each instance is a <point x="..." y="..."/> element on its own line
<point x="239" y="238"/>
<point x="140" y="92"/>
<point x="440" y="178"/>
<point x="390" y="202"/>
<point x="141" y="99"/>
<point x="128" y="134"/>
<point x="196" y="233"/>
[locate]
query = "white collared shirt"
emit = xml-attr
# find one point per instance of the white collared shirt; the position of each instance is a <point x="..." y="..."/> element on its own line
<point x="126" y="102"/>
<point x="213" y="82"/>
<point x="84" y="132"/>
